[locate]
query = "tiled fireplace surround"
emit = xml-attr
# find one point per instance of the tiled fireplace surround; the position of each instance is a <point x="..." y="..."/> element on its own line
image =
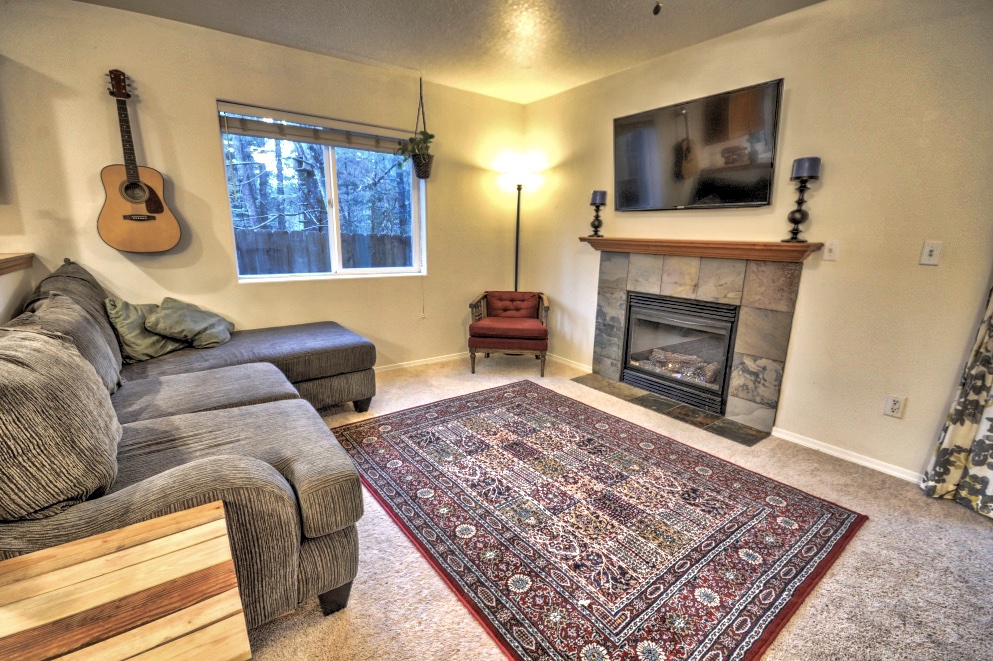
<point x="765" y="290"/>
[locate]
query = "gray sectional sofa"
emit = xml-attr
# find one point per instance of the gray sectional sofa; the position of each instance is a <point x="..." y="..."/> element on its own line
<point x="88" y="444"/>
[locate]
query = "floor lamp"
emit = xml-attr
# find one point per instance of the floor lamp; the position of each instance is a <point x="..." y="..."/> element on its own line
<point x="517" y="236"/>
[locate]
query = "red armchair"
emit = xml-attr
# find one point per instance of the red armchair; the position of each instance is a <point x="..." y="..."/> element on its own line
<point x="511" y="322"/>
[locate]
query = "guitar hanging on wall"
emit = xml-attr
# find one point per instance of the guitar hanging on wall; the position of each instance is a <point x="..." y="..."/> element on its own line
<point x="134" y="217"/>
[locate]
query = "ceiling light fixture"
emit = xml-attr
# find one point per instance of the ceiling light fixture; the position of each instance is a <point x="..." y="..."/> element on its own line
<point x="657" y="8"/>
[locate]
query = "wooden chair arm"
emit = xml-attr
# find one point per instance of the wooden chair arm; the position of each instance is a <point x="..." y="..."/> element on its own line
<point x="477" y="307"/>
<point x="543" y="310"/>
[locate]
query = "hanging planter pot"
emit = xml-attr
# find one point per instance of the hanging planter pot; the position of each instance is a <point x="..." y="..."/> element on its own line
<point x="422" y="165"/>
<point x="417" y="147"/>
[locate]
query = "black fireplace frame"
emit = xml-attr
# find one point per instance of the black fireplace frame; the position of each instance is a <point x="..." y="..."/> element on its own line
<point x="676" y="389"/>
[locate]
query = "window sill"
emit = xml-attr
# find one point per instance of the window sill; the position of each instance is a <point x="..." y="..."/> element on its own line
<point x="305" y="277"/>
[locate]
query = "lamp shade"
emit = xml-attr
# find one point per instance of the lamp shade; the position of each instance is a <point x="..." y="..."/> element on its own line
<point x="808" y="167"/>
<point x="599" y="197"/>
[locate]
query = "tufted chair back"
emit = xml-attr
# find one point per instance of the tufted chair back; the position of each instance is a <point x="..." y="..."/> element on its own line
<point x="522" y="304"/>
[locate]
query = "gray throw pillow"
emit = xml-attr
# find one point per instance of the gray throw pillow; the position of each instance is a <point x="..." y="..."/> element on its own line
<point x="137" y="343"/>
<point x="185" y="321"/>
<point x="60" y="314"/>
<point x="76" y="282"/>
<point x="58" y="429"/>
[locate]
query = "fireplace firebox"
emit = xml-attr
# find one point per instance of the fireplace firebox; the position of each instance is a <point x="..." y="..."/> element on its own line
<point x="680" y="348"/>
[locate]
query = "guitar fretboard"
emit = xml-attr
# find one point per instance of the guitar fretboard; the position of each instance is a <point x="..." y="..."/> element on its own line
<point x="130" y="163"/>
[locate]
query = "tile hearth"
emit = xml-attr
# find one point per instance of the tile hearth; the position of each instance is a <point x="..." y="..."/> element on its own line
<point x="765" y="292"/>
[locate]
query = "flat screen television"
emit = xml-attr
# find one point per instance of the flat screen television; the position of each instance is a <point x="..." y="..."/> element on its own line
<point x="714" y="152"/>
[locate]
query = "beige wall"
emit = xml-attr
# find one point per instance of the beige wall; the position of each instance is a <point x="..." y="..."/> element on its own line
<point x="58" y="129"/>
<point x="896" y="98"/>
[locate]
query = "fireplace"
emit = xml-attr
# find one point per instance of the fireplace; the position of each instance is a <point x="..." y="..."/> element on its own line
<point x="680" y="348"/>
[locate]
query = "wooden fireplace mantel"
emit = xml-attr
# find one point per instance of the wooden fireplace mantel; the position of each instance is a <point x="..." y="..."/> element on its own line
<point x="768" y="251"/>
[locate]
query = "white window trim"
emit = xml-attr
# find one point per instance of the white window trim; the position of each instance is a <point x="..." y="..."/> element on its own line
<point x="356" y="135"/>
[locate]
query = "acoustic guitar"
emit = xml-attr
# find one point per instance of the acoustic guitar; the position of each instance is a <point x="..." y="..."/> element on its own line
<point x="134" y="217"/>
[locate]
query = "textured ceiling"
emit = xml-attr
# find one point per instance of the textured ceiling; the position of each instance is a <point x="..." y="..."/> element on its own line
<point x="518" y="50"/>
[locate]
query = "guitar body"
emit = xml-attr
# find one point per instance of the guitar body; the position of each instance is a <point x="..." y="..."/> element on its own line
<point x="134" y="217"/>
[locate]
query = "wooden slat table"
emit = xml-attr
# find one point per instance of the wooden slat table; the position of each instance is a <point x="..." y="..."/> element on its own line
<point x="160" y="589"/>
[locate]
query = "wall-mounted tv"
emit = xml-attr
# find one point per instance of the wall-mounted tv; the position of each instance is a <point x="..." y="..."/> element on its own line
<point x="714" y="152"/>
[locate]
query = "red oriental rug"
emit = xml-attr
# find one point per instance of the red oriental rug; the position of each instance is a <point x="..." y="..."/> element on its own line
<point x="570" y="533"/>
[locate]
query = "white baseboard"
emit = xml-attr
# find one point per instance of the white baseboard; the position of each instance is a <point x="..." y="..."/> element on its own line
<point x="570" y="363"/>
<point x="423" y="361"/>
<point x="848" y="455"/>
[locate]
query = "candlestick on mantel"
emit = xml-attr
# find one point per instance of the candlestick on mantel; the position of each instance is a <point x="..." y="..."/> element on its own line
<point x="598" y="199"/>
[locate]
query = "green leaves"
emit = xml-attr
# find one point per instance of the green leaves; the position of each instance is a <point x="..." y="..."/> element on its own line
<point x="418" y="144"/>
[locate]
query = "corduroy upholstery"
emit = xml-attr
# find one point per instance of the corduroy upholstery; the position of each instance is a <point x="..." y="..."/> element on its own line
<point x="202" y="425"/>
<point x="509" y="322"/>
<point x="60" y="314"/>
<point x="58" y="430"/>
<point x="288" y="435"/>
<point x="304" y="352"/>
<point x="221" y="388"/>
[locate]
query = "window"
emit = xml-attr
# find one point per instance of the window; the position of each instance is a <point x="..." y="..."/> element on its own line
<point x="313" y="196"/>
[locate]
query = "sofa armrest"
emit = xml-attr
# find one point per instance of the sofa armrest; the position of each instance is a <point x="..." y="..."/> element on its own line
<point x="478" y="307"/>
<point x="327" y="487"/>
<point x="262" y="516"/>
<point x="543" y="310"/>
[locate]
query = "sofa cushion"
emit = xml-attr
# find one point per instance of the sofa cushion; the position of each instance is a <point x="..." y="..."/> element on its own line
<point x="512" y="304"/>
<point x="60" y="314"/>
<point x="76" y="282"/>
<point x="302" y="353"/>
<point x="519" y="327"/>
<point x="58" y="430"/>
<point x="187" y="322"/>
<point x="221" y="388"/>
<point x="137" y="342"/>
<point x="288" y="435"/>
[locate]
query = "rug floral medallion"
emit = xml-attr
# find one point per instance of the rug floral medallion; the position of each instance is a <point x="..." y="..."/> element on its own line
<point x="570" y="533"/>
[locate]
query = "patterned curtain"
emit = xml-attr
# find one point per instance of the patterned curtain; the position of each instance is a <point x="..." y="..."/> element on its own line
<point x="962" y="466"/>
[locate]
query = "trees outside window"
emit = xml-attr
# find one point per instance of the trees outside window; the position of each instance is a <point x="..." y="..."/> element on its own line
<point x="334" y="203"/>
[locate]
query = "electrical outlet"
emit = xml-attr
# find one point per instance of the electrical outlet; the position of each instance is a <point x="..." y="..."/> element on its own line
<point x="930" y="253"/>
<point x="894" y="406"/>
<point x="831" y="250"/>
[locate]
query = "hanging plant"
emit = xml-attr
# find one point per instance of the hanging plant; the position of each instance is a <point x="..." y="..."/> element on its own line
<point x="418" y="147"/>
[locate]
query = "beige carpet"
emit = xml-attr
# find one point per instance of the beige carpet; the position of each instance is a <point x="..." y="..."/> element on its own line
<point x="916" y="583"/>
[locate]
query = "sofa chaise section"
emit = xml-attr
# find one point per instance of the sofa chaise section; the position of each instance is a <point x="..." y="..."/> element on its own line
<point x="327" y="363"/>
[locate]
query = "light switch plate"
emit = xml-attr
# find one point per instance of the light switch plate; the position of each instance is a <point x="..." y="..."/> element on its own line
<point x="931" y="253"/>
<point x="831" y="250"/>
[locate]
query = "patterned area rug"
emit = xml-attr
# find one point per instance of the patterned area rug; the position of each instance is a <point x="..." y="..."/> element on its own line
<point x="570" y="533"/>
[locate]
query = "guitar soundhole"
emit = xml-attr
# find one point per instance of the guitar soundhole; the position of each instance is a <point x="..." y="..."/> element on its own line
<point x="134" y="191"/>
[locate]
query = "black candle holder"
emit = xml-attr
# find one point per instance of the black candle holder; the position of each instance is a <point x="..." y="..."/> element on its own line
<point x="598" y="199"/>
<point x="596" y="223"/>
<point x="798" y="215"/>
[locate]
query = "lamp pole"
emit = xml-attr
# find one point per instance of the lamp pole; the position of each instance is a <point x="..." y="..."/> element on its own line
<point x="517" y="237"/>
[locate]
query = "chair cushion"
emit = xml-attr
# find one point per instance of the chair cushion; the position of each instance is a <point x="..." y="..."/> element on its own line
<point x="512" y="304"/>
<point x="529" y="328"/>
<point x="301" y="352"/>
<point x="76" y="282"/>
<point x="290" y="436"/>
<point x="222" y="388"/>
<point x="60" y="314"/>
<point x="58" y="430"/>
<point x="137" y="343"/>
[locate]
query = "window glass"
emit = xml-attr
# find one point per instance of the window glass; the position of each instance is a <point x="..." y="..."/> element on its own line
<point x="319" y="205"/>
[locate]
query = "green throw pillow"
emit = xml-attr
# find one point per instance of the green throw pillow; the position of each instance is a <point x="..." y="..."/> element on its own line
<point x="185" y="321"/>
<point x="137" y="343"/>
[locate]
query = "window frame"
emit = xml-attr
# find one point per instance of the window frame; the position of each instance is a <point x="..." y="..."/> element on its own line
<point x="328" y="133"/>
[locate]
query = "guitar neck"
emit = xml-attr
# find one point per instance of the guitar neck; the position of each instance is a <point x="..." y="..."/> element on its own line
<point x="130" y="163"/>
